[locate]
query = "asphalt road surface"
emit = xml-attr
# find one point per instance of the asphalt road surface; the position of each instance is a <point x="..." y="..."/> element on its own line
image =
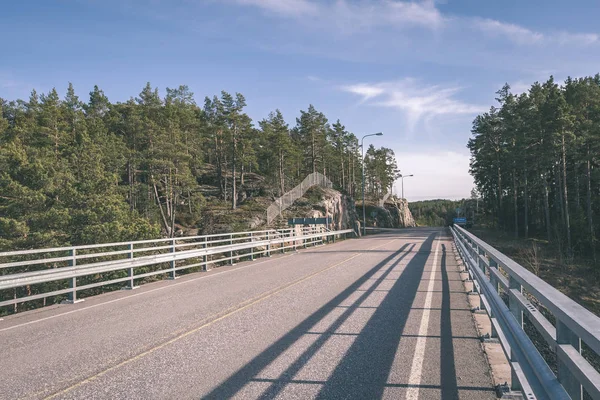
<point x="380" y="317"/>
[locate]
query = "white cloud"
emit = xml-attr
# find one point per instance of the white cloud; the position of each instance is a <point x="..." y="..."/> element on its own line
<point x="294" y="8"/>
<point x="397" y="14"/>
<point x="515" y="33"/>
<point x="585" y="39"/>
<point x="523" y="36"/>
<point x="437" y="175"/>
<point x="348" y="16"/>
<point x="416" y="99"/>
<point x="365" y="90"/>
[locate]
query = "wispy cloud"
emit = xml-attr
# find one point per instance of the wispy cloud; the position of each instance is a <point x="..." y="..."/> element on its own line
<point x="397" y="14"/>
<point x="293" y="8"/>
<point x="351" y="16"/>
<point x="585" y="39"/>
<point x="416" y="99"/>
<point x="515" y="33"/>
<point x="524" y="36"/>
<point x="357" y="16"/>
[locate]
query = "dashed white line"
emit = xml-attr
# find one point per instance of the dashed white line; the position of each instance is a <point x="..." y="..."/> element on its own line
<point x="412" y="393"/>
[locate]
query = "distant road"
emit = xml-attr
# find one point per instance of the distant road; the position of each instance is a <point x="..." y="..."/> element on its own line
<point x="364" y="318"/>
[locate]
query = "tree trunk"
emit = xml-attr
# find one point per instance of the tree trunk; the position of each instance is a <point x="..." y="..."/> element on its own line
<point x="589" y="206"/>
<point x="567" y="219"/>
<point x="313" y="158"/>
<point x="233" y="162"/>
<point x="499" y="195"/>
<point x="516" y="204"/>
<point x="281" y="174"/>
<point x="526" y="206"/>
<point x="547" y="208"/>
<point x="162" y="213"/>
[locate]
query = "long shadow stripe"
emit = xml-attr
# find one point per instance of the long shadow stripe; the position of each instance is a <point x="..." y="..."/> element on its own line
<point x="272" y="391"/>
<point x="363" y="371"/>
<point x="447" y="368"/>
<point x="236" y="382"/>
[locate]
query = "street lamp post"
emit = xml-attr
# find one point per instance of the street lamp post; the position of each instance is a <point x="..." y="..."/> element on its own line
<point x="363" y="179"/>
<point x="402" y="177"/>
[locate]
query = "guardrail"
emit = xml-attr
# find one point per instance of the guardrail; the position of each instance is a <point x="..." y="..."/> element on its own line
<point x="494" y="274"/>
<point x="69" y="270"/>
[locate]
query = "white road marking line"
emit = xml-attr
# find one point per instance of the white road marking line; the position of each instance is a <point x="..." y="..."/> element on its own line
<point x="412" y="393"/>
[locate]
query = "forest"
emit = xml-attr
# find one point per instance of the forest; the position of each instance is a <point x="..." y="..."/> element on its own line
<point x="78" y="172"/>
<point x="534" y="158"/>
<point x="441" y="212"/>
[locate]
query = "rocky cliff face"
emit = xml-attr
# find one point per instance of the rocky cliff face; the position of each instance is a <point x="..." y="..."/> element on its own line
<point x="401" y="213"/>
<point x="339" y="207"/>
<point x="394" y="214"/>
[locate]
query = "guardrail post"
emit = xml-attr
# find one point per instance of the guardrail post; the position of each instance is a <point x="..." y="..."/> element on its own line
<point x="293" y="235"/>
<point x="130" y="270"/>
<point x="481" y="262"/>
<point x="251" y="248"/>
<point x="513" y="304"/>
<point x="494" y="282"/>
<point x="231" y="252"/>
<point x="516" y="310"/>
<point x="493" y="279"/>
<point x="205" y="246"/>
<point x="173" y="273"/>
<point x="72" y="295"/>
<point x="564" y="335"/>
<point x="268" y="245"/>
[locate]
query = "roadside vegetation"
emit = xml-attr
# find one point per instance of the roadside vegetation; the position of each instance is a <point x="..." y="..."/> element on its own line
<point x="79" y="172"/>
<point x="535" y="161"/>
<point x="442" y="212"/>
<point x="534" y="158"/>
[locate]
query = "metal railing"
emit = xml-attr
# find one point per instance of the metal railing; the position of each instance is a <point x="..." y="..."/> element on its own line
<point x="59" y="271"/>
<point x="314" y="179"/>
<point x="495" y="275"/>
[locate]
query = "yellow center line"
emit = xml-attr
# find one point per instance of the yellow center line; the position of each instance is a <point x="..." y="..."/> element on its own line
<point x="234" y="310"/>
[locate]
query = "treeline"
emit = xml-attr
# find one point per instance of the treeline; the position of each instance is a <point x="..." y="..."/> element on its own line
<point x="534" y="158"/>
<point x="443" y="212"/>
<point x="76" y="172"/>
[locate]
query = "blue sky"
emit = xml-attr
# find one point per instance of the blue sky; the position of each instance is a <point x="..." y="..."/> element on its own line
<point x="418" y="71"/>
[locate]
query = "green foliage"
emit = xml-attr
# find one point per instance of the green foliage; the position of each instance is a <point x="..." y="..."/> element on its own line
<point x="75" y="172"/>
<point x="441" y="212"/>
<point x="535" y="162"/>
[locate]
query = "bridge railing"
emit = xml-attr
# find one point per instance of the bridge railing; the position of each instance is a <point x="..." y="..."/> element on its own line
<point x="509" y="293"/>
<point x="29" y="275"/>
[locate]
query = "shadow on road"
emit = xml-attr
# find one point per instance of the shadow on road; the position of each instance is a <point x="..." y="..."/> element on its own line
<point x="447" y="368"/>
<point x="364" y="369"/>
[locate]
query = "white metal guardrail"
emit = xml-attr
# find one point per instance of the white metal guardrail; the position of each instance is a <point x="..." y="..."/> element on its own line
<point x="67" y="270"/>
<point x="494" y="274"/>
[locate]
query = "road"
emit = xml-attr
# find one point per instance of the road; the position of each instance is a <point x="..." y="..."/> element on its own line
<point x="380" y="317"/>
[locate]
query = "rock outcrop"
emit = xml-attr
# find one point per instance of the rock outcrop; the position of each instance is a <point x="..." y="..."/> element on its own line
<point x="394" y="214"/>
<point x="400" y="212"/>
<point x="323" y="202"/>
<point x="339" y="207"/>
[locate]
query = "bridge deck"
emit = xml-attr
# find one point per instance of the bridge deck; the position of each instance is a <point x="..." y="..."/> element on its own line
<point x="358" y="319"/>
